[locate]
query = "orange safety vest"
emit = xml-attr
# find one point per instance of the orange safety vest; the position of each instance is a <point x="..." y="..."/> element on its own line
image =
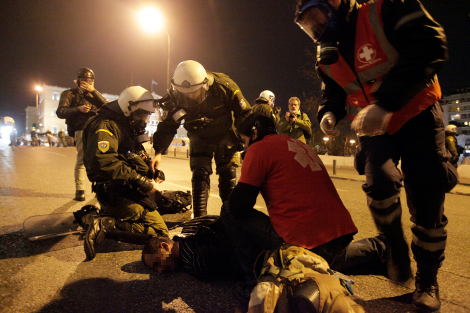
<point x="375" y="57"/>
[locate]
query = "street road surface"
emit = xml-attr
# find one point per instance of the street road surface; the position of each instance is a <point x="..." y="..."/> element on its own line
<point x="52" y="275"/>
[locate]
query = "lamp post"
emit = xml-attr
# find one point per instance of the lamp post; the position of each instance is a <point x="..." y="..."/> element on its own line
<point x="38" y="89"/>
<point x="151" y="20"/>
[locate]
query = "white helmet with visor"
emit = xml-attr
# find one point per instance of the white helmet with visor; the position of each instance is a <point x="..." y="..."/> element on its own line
<point x="139" y="102"/>
<point x="191" y="83"/>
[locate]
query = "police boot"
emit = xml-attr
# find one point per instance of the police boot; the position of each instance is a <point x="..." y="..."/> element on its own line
<point x="200" y="183"/>
<point x="426" y="296"/>
<point x="98" y="226"/>
<point x="81" y="215"/>
<point x="79" y="195"/>
<point x="227" y="181"/>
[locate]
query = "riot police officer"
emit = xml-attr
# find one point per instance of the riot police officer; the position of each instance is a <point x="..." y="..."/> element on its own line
<point x="210" y="104"/>
<point x="113" y="148"/>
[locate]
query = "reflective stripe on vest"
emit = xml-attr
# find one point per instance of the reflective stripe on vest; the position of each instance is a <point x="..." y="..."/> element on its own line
<point x="374" y="58"/>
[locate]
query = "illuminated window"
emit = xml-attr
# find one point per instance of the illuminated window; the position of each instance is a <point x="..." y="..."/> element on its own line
<point x="54" y="112"/>
<point x="55" y="96"/>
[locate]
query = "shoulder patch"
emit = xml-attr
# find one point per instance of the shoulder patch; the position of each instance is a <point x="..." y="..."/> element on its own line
<point x="103" y="146"/>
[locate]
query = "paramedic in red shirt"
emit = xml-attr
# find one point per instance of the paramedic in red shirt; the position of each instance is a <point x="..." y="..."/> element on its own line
<point x="303" y="205"/>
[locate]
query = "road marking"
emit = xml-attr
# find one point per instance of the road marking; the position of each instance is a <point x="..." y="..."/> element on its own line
<point x="57" y="153"/>
<point x="341" y="190"/>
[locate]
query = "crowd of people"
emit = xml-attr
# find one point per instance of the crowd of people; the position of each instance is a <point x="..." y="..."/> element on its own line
<point x="391" y="97"/>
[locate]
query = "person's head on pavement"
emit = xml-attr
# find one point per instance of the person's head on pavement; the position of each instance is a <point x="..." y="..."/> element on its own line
<point x="161" y="254"/>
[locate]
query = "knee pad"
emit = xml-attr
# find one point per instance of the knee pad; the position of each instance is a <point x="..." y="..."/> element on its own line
<point x="201" y="174"/>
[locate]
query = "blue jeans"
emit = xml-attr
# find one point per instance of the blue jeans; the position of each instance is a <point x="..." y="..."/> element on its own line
<point x="254" y="234"/>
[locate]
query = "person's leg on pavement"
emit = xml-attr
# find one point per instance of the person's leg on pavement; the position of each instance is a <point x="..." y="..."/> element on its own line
<point x="427" y="177"/>
<point x="378" y="158"/>
<point x="343" y="254"/>
<point x="125" y="221"/>
<point x="80" y="171"/>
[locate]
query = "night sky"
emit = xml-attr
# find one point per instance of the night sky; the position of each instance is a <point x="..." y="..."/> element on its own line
<point x="255" y="42"/>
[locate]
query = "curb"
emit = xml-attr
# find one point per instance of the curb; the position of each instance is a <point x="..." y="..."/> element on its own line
<point x="362" y="180"/>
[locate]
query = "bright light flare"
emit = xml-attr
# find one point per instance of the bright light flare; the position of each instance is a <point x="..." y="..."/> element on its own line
<point x="6" y="130"/>
<point x="38" y="88"/>
<point x="352" y="141"/>
<point x="150" y="19"/>
<point x="326" y="138"/>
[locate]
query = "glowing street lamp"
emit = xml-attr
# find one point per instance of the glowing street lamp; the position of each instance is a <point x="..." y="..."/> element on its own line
<point x="38" y="89"/>
<point x="151" y="20"/>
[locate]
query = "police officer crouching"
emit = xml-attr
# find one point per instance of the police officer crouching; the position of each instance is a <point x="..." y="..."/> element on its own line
<point x="112" y="142"/>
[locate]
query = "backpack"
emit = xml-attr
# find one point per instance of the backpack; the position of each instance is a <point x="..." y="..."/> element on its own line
<point x="294" y="279"/>
<point x="174" y="202"/>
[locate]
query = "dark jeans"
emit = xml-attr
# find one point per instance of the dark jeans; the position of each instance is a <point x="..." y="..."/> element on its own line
<point x="255" y="233"/>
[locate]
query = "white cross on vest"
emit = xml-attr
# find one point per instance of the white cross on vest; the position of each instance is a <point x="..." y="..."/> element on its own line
<point x="365" y="53"/>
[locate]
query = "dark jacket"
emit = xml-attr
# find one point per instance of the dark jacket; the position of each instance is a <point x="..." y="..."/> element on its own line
<point x="224" y="106"/>
<point x="69" y="102"/>
<point x="422" y="49"/>
<point x="208" y="253"/>
<point x="109" y="148"/>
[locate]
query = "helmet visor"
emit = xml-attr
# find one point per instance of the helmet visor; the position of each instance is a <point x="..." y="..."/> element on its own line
<point x="314" y="18"/>
<point x="142" y="110"/>
<point x="193" y="98"/>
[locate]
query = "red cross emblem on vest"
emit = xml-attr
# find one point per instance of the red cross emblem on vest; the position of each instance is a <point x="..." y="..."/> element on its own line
<point x="366" y="54"/>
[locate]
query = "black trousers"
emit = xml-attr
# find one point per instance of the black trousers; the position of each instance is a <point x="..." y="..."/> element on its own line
<point x="427" y="176"/>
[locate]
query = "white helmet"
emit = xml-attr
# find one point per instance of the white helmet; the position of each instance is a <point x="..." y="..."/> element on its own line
<point x="452" y="129"/>
<point x="268" y="95"/>
<point x="136" y="98"/>
<point x="191" y="83"/>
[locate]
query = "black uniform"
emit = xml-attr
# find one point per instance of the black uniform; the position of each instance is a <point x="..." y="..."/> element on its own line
<point x="211" y="130"/>
<point x="114" y="166"/>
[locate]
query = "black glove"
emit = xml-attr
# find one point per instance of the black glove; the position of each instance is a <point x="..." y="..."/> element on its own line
<point x="159" y="175"/>
<point x="142" y="183"/>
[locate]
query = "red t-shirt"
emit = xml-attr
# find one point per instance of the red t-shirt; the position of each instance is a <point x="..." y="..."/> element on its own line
<point x="302" y="201"/>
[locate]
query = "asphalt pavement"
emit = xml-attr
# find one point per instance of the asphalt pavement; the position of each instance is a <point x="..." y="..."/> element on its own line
<point x="53" y="276"/>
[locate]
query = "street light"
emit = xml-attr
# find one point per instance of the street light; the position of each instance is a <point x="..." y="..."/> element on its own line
<point x="39" y="89"/>
<point x="151" y="20"/>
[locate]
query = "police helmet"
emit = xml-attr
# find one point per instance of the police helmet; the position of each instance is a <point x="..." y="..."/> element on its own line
<point x="136" y="98"/>
<point x="191" y="83"/>
<point x="451" y="129"/>
<point x="85" y="72"/>
<point x="268" y="95"/>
